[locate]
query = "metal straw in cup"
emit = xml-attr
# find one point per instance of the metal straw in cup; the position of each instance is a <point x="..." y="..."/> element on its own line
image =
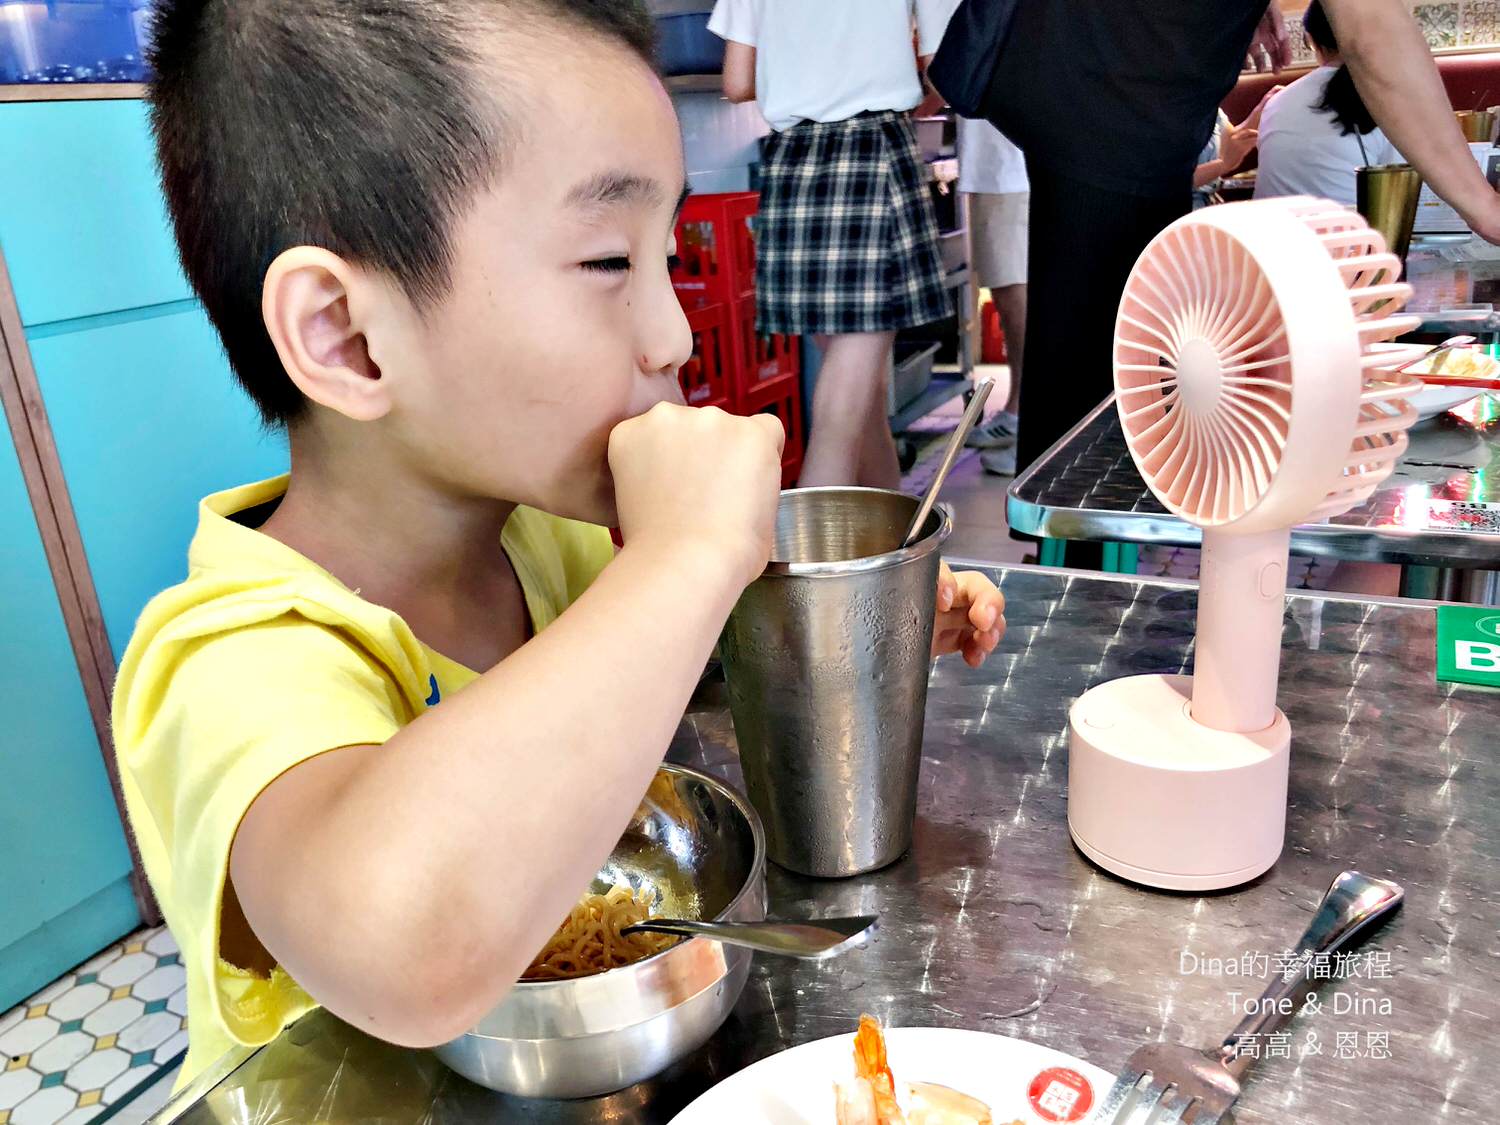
<point x="827" y="657"/>
<point x="1387" y="197"/>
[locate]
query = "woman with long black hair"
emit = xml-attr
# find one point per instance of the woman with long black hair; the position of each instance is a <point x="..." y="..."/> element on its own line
<point x="1317" y="133"/>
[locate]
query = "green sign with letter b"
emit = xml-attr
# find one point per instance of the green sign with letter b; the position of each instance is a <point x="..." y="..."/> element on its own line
<point x="1468" y="644"/>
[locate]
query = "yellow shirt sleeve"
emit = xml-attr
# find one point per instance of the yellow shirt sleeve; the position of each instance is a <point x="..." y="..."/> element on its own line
<point x="209" y="723"/>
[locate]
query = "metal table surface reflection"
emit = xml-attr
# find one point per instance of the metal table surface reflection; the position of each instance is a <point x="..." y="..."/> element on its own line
<point x="993" y="921"/>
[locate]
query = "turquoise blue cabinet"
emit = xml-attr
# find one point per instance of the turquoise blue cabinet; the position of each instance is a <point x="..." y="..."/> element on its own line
<point x="64" y="866"/>
<point x="147" y="421"/>
<point x="82" y="219"/>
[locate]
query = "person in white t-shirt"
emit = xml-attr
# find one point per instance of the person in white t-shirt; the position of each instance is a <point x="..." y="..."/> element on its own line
<point x="847" y="241"/>
<point x="1317" y="133"/>
<point x="992" y="173"/>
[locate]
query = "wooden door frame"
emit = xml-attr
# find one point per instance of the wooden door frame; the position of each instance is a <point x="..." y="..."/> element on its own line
<point x="41" y="467"/>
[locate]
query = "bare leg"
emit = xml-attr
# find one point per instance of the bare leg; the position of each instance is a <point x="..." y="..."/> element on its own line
<point x="879" y="463"/>
<point x="1010" y="303"/>
<point x="846" y="404"/>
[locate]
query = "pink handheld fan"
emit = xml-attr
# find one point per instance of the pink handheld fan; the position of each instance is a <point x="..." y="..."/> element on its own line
<point x="1255" y="394"/>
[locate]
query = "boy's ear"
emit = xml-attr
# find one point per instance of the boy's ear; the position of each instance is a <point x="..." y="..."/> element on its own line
<point x="315" y="306"/>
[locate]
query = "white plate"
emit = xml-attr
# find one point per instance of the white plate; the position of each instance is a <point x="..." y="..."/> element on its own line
<point x="1019" y="1081"/>
<point x="1434" y="400"/>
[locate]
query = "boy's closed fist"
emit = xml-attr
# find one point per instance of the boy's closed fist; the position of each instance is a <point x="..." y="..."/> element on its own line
<point x="696" y="477"/>
<point x="970" y="616"/>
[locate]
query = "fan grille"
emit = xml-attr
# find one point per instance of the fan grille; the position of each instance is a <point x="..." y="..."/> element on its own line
<point x="1204" y="372"/>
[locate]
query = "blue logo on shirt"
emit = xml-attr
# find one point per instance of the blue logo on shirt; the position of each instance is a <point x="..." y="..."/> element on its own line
<point x="437" y="696"/>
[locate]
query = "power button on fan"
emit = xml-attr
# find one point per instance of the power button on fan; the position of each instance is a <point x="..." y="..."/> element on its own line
<point x="1273" y="580"/>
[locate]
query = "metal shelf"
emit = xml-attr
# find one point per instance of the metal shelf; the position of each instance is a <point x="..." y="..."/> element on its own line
<point x="944" y="387"/>
<point x="957" y="279"/>
<point x="695" y="83"/>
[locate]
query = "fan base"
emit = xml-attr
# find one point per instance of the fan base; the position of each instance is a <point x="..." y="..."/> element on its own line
<point x="1164" y="801"/>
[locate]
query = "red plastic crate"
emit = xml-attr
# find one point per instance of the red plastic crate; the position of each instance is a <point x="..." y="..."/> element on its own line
<point x="706" y="376"/>
<point x="762" y="359"/>
<point x="783" y="398"/>
<point x="716" y="246"/>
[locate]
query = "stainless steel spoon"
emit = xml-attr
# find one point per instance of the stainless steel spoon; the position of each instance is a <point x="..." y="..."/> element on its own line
<point x="811" y="941"/>
<point x="982" y="391"/>
<point x="1439" y="355"/>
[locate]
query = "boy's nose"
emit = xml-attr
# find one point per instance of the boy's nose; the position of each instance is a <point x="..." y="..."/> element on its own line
<point x="666" y="340"/>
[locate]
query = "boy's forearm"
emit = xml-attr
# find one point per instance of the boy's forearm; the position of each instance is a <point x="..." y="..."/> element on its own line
<point x="1393" y="68"/>
<point x="460" y="844"/>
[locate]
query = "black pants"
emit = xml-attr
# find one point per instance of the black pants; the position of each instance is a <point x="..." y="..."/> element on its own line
<point x="1084" y="241"/>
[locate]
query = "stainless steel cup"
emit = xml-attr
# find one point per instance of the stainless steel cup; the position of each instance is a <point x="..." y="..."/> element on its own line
<point x="1387" y="197"/>
<point x="1478" y="125"/>
<point x="827" y="657"/>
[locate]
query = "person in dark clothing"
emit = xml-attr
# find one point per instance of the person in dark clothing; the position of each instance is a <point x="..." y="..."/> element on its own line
<point x="1112" y="104"/>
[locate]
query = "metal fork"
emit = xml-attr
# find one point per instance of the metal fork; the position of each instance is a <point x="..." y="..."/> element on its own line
<point x="1167" y="1084"/>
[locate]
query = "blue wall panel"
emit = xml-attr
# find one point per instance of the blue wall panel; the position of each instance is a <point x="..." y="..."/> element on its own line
<point x="147" y="421"/>
<point x="82" y="221"/>
<point x="61" y="844"/>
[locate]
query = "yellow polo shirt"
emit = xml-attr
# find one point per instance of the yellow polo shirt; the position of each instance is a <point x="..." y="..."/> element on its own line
<point x="261" y="660"/>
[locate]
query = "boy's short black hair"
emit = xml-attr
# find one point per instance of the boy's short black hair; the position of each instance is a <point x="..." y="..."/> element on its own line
<point x="354" y="125"/>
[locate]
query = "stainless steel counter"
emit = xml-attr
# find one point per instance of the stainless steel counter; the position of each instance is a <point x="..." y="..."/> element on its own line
<point x="993" y="921"/>
<point x="1087" y="487"/>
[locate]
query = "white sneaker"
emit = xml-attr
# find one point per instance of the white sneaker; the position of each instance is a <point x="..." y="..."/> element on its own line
<point x="998" y="433"/>
<point x="1000" y="462"/>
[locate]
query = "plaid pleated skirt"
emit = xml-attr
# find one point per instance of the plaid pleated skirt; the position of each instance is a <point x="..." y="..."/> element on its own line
<point x="846" y="240"/>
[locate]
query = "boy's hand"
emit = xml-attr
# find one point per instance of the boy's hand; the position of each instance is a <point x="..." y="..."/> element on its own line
<point x="970" y="616"/>
<point x="687" y="477"/>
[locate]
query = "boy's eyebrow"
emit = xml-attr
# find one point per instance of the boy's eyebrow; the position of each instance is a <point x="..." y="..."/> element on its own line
<point x="612" y="189"/>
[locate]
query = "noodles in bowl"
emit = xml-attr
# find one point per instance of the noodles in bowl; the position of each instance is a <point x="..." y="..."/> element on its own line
<point x="590" y="942"/>
<point x="693" y="850"/>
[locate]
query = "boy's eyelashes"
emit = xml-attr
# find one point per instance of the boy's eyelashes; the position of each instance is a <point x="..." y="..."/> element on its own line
<point x="615" y="263"/>
<point x="620" y="263"/>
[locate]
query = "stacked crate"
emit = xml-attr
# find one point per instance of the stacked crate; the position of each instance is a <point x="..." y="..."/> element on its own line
<point x="733" y="367"/>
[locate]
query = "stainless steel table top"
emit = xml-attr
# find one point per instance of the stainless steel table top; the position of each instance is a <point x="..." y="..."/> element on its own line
<point x="994" y="922"/>
<point x="1087" y="487"/>
<point x="1455" y="278"/>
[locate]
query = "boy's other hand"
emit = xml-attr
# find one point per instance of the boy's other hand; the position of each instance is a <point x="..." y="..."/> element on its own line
<point x="970" y="616"/>
<point x="698" y="477"/>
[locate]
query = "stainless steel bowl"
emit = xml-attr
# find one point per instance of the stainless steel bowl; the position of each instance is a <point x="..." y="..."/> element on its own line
<point x="699" y="846"/>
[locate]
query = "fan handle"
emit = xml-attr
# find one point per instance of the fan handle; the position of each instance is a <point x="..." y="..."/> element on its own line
<point x="1241" y="605"/>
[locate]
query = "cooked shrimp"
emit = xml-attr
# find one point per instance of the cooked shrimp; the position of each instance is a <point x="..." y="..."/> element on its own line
<point x="932" y="1104"/>
<point x="871" y="1098"/>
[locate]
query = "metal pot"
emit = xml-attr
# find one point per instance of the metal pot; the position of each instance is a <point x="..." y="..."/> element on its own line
<point x="700" y="847"/>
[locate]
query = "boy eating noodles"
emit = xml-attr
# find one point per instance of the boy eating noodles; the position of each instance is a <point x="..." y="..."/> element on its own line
<point x="409" y="696"/>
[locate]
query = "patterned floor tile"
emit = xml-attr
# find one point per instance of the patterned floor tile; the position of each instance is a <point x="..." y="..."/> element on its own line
<point x="97" y="1069"/>
<point x="127" y="970"/>
<point x="45" y="1107"/>
<point x="158" y="984"/>
<point x="16" y="1086"/>
<point x="115" y="1016"/>
<point x="150" y="1032"/>
<point x="96" y="1037"/>
<point x="27" y="1036"/>
<point x="58" y="1055"/>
